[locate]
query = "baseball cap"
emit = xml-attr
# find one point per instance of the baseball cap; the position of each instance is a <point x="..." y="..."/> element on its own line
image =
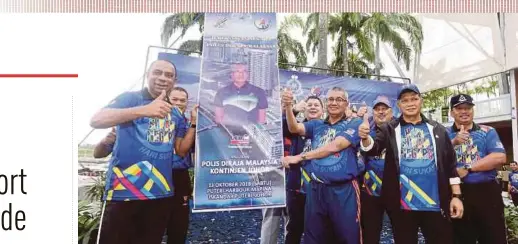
<point x="461" y="99"/>
<point x="407" y="88"/>
<point x="383" y="100"/>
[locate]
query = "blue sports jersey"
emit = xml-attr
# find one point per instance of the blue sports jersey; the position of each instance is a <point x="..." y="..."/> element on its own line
<point x="241" y="104"/>
<point x="513" y="180"/>
<point x="373" y="177"/>
<point x="483" y="140"/>
<point x="140" y="167"/>
<point x="418" y="169"/>
<point x="293" y="145"/>
<point x="341" y="166"/>
<point x="184" y="162"/>
<point x="305" y="179"/>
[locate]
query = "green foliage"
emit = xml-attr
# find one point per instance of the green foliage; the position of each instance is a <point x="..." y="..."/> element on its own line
<point x="355" y="33"/>
<point x="88" y="217"/>
<point x="88" y="222"/>
<point x="511" y="221"/>
<point x="440" y="97"/>
<point x="96" y="190"/>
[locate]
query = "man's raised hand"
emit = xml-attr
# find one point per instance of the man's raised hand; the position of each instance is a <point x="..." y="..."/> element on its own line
<point x="159" y="108"/>
<point x="364" y="129"/>
<point x="287" y="98"/>
<point x="462" y="136"/>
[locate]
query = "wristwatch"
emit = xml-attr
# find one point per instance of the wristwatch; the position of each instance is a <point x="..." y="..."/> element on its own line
<point x="193" y="126"/>
<point x="468" y="167"/>
<point x="459" y="196"/>
<point x="303" y="156"/>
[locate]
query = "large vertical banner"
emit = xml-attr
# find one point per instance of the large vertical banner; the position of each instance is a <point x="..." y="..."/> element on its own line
<point x="239" y="135"/>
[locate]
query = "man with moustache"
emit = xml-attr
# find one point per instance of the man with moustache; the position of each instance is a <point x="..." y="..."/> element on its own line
<point x="372" y="206"/>
<point x="479" y="154"/>
<point x="178" y="223"/>
<point x="295" y="193"/>
<point x="139" y="189"/>
<point x="420" y="180"/>
<point x="332" y="211"/>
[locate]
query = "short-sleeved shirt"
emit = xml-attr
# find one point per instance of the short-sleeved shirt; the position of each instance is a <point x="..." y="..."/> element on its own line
<point x="513" y="180"/>
<point x="140" y="167"/>
<point x="293" y="145"/>
<point x="241" y="105"/>
<point x="183" y="162"/>
<point x="373" y="177"/>
<point x="418" y="169"/>
<point x="341" y="166"/>
<point x="483" y="140"/>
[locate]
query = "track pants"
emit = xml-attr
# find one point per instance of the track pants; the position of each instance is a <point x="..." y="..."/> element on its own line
<point x="332" y="213"/>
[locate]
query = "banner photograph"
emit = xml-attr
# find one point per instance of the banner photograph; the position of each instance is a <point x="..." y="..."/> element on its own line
<point x="239" y="140"/>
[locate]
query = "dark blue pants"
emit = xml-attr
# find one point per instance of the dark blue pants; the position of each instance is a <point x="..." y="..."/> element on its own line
<point x="333" y="213"/>
<point x="295" y="227"/>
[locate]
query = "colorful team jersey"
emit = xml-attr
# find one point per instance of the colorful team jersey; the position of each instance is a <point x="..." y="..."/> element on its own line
<point x="241" y="104"/>
<point x="418" y="169"/>
<point x="341" y="166"/>
<point x="184" y="162"/>
<point x="373" y="177"/>
<point x="296" y="178"/>
<point x="140" y="167"/>
<point x="513" y="180"/>
<point x="483" y="140"/>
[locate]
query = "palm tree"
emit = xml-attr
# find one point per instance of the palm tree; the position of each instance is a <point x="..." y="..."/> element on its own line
<point x="348" y="26"/>
<point x="316" y="29"/>
<point x="287" y="46"/>
<point x="386" y="27"/>
<point x="183" y="22"/>
<point x="357" y="65"/>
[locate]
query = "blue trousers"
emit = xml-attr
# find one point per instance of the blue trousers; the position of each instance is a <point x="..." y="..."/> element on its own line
<point x="332" y="213"/>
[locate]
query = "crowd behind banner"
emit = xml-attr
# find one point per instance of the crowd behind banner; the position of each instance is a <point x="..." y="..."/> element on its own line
<point x="351" y="150"/>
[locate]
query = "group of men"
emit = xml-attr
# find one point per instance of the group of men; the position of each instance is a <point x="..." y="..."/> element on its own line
<point x="420" y="173"/>
<point x="423" y="175"/>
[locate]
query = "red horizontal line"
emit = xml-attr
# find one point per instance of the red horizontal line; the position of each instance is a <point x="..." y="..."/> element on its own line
<point x="39" y="75"/>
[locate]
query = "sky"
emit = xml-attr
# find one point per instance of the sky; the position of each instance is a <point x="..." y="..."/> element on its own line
<point x="108" y="51"/>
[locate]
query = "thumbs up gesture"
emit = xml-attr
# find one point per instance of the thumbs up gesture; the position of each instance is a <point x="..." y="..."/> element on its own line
<point x="462" y="136"/>
<point x="287" y="98"/>
<point x="364" y="129"/>
<point x="363" y="110"/>
<point x="159" y="108"/>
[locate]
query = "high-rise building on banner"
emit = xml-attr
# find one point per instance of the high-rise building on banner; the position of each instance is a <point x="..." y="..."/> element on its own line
<point x="261" y="68"/>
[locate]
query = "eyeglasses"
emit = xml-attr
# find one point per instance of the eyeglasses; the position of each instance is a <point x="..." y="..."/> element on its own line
<point x="338" y="100"/>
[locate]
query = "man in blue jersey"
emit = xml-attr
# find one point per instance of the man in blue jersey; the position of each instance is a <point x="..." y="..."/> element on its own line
<point x="373" y="207"/>
<point x="479" y="153"/>
<point x="420" y="180"/>
<point x="178" y="224"/>
<point x="512" y="187"/>
<point x="295" y="193"/>
<point x="240" y="102"/>
<point x="332" y="212"/>
<point x="139" y="189"/>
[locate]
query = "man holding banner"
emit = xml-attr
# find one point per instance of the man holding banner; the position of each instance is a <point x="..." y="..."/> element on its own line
<point x="333" y="195"/>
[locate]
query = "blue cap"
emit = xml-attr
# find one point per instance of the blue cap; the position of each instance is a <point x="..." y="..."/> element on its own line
<point x="382" y="100"/>
<point x="408" y="88"/>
